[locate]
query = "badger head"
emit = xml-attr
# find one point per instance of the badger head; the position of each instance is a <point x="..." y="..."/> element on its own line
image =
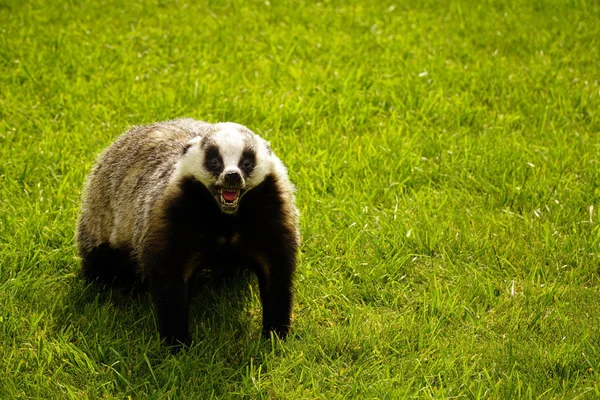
<point x="229" y="161"/>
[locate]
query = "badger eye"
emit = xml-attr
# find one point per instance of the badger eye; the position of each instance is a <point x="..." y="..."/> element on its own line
<point x="214" y="162"/>
<point x="247" y="164"/>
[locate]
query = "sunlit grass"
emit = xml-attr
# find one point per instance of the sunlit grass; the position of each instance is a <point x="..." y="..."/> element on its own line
<point x="446" y="156"/>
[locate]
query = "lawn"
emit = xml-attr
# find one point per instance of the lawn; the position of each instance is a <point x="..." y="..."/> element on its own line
<point x="447" y="160"/>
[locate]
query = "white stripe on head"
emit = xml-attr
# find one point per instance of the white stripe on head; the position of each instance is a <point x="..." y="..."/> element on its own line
<point x="264" y="163"/>
<point x="231" y="146"/>
<point x="191" y="164"/>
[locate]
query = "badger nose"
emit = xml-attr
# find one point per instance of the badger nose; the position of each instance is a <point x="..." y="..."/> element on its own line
<point x="233" y="178"/>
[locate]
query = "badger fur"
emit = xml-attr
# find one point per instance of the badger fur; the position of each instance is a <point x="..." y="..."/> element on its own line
<point x="170" y="199"/>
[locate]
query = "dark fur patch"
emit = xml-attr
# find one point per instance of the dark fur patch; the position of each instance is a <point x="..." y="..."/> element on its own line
<point x="213" y="161"/>
<point x="248" y="162"/>
<point x="109" y="266"/>
<point x="256" y="237"/>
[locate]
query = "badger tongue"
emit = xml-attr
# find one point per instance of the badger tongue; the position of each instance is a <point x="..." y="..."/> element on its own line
<point x="229" y="195"/>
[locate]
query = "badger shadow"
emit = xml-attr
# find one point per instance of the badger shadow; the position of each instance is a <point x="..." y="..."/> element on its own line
<point x="222" y="311"/>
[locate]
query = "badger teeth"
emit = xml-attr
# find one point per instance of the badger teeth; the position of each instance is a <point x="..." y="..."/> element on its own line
<point x="231" y="203"/>
<point x="230" y="197"/>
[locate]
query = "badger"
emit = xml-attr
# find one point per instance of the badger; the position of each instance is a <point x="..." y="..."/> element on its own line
<point x="173" y="198"/>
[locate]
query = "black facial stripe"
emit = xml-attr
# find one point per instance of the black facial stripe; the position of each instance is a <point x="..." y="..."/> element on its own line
<point x="213" y="161"/>
<point x="248" y="161"/>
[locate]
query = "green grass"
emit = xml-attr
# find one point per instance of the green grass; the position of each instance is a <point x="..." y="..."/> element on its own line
<point x="446" y="156"/>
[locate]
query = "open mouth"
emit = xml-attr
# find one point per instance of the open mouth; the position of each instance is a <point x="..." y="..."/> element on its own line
<point x="229" y="199"/>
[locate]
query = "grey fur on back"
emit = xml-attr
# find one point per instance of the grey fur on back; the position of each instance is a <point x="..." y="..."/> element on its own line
<point x="128" y="180"/>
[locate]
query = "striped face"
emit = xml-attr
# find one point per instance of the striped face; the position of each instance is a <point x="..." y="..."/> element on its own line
<point x="229" y="161"/>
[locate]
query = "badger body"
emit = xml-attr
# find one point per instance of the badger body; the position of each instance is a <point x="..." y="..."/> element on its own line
<point x="167" y="200"/>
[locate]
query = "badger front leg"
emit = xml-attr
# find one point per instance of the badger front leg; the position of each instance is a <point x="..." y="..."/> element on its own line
<point x="167" y="269"/>
<point x="169" y="291"/>
<point x="275" y="274"/>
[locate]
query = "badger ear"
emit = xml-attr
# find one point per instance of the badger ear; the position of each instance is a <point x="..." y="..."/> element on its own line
<point x="189" y="144"/>
<point x="268" y="146"/>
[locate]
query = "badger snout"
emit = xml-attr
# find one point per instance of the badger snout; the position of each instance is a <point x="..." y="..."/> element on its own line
<point x="228" y="190"/>
<point x="233" y="179"/>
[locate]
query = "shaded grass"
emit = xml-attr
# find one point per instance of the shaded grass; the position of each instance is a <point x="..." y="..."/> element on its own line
<point x="446" y="156"/>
